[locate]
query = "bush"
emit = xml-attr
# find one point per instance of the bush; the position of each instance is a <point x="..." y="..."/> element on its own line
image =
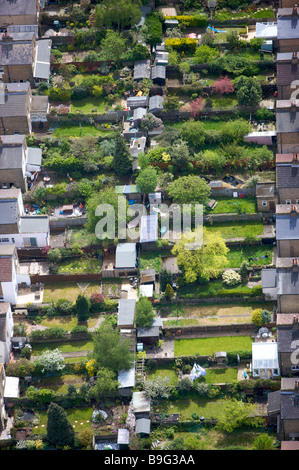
<point x="182" y="44"/>
<point x="64" y="307"/>
<point x="79" y="329"/>
<point x="231" y="277"/>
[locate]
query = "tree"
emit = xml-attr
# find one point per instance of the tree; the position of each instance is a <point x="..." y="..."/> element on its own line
<point x="111" y="351"/>
<point x="147" y="180"/>
<point x="165" y="277"/>
<point x="180" y="155"/>
<point x="85" y="438"/>
<point x="263" y="442"/>
<point x="82" y="307"/>
<point x="196" y="107"/>
<point x="144" y="312"/>
<point x="105" y="196"/>
<point x="233" y="40"/>
<point x="114" y="47"/>
<point x="236" y="414"/>
<point x="122" y="157"/>
<point x="123" y="14"/>
<point x="211" y="161"/>
<point x="169" y="292"/>
<point x="106" y="382"/>
<point x="171" y="103"/>
<point x="59" y="430"/>
<point x="256" y="317"/>
<point x="205" y="54"/>
<point x="223" y="86"/>
<point x="193" y="132"/>
<point x="248" y="90"/>
<point x="189" y="189"/>
<point x="204" y="263"/>
<point x="50" y="361"/>
<point x="266" y="317"/>
<point x="150" y="121"/>
<point x="159" y="387"/>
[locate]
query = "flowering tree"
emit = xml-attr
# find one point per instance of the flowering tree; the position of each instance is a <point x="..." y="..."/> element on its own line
<point x="149" y="121"/>
<point x="196" y="107"/>
<point x="223" y="86"/>
<point x="50" y="361"/>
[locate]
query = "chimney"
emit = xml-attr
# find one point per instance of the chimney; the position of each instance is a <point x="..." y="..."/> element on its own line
<point x="6" y="38"/>
<point x="295" y="160"/>
<point x="293" y="105"/>
<point x="1" y="142"/>
<point x="296" y="385"/>
<point x="295" y="10"/>
<point x="295" y="58"/>
<point x="295" y="266"/>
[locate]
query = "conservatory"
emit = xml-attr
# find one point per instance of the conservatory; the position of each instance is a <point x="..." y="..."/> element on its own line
<point x="265" y="360"/>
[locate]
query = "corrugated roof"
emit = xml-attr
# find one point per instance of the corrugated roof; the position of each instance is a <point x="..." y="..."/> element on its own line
<point x="148" y="228"/>
<point x="142" y="69"/>
<point x="126" y="378"/>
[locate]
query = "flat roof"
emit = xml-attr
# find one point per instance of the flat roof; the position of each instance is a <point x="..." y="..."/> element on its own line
<point x="11" y="389"/>
<point x="126" y="311"/>
<point x="126" y="255"/>
<point x="126" y="378"/>
<point x="34" y="224"/>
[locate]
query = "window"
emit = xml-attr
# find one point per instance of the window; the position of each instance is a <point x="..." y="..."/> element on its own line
<point x="288" y="201"/>
<point x="4" y="240"/>
<point x="264" y="203"/>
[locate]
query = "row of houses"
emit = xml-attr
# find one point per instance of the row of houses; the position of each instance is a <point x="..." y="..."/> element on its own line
<point x="281" y="284"/>
<point x="24" y="63"/>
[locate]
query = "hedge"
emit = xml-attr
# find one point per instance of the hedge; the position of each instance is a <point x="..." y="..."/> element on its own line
<point x="199" y="21"/>
<point x="182" y="44"/>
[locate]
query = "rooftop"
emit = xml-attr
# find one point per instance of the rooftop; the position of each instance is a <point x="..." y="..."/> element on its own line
<point x="287" y="27"/>
<point x="126" y="378"/>
<point x="34" y="224"/>
<point x="287" y="121"/>
<point x="126" y="255"/>
<point x="287" y="227"/>
<point x="16" y="52"/>
<point x="287" y="176"/>
<point x="17" y="7"/>
<point x="126" y="312"/>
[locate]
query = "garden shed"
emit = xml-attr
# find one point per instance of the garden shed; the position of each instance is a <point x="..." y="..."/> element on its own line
<point x="141" y="405"/>
<point x="126" y="379"/>
<point x="149" y="228"/>
<point x="126" y="313"/>
<point x="142" y="69"/>
<point x="143" y="427"/>
<point x="123" y="439"/>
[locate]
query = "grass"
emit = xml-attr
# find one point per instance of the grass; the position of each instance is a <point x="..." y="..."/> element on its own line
<point x="76" y="416"/>
<point x="164" y="372"/>
<point x="60" y="384"/>
<point x="209" y="346"/>
<point x="218" y="376"/>
<point x="150" y="260"/>
<point x="74" y="346"/>
<point x="68" y="130"/>
<point x="225" y="101"/>
<point x="186" y="407"/>
<point x="214" y="288"/>
<point x="68" y="290"/>
<point x="237" y="229"/>
<point x="67" y="322"/>
<point x="234" y="205"/>
<point x="90" y="105"/>
<point x="81" y="236"/>
<point x="79" y="266"/>
<point x="253" y="255"/>
<point x="216" y="440"/>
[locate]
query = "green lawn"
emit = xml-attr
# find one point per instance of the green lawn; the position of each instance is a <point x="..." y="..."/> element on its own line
<point x="80" y="418"/>
<point x="68" y="290"/>
<point x="253" y="255"/>
<point x="218" y="376"/>
<point x="81" y="236"/>
<point x="90" y="105"/>
<point x="215" y="288"/>
<point x="209" y="346"/>
<point x="74" y="346"/>
<point x="60" y="384"/>
<point x="67" y="322"/>
<point x="80" y="265"/>
<point x="164" y="372"/>
<point x="67" y="130"/>
<point x="234" y="205"/>
<point x="186" y="407"/>
<point x="237" y="229"/>
<point x="225" y="101"/>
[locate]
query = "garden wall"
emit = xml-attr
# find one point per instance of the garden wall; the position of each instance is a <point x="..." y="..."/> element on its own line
<point x="211" y="330"/>
<point x="37" y="278"/>
<point x="65" y="222"/>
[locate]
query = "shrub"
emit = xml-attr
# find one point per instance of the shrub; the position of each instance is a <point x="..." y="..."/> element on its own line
<point x="182" y="44"/>
<point x="231" y="277"/>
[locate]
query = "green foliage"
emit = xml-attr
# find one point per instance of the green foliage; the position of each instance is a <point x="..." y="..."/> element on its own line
<point x="106" y="382"/>
<point x="147" y="180"/>
<point x="236" y="414"/>
<point x="205" y="55"/>
<point x="122" y="157"/>
<point x="144" y="313"/>
<point x="189" y="189"/>
<point x="82" y="307"/>
<point x="193" y="132"/>
<point x="165" y="277"/>
<point x="153" y="29"/>
<point x="59" y="430"/>
<point x="248" y="90"/>
<point x="110" y="350"/>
